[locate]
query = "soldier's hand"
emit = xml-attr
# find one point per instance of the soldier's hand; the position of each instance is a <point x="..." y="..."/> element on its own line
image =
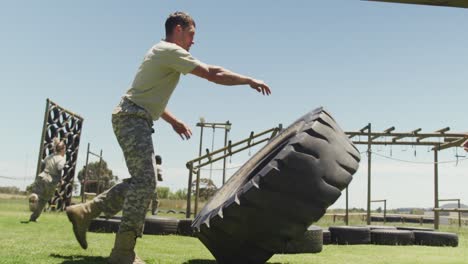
<point x="260" y="86"/>
<point x="182" y="129"/>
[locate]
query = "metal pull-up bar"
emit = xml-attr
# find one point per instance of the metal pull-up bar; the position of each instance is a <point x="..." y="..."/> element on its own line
<point x="222" y="153"/>
<point x="412" y="138"/>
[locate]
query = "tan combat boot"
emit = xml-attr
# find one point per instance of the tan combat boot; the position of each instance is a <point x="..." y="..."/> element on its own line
<point x="123" y="251"/>
<point x="80" y="216"/>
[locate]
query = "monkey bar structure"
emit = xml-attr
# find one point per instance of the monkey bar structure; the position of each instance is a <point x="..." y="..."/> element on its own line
<point x="85" y="181"/>
<point x="439" y="140"/>
<point x="227" y="127"/>
<point x="451" y="209"/>
<point x="219" y="154"/>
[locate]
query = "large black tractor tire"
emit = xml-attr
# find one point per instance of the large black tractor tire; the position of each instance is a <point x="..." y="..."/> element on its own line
<point x="279" y="192"/>
<point x="310" y="242"/>
<point x="437" y="239"/>
<point x="374" y="227"/>
<point x="184" y="227"/>
<point x="350" y="235"/>
<point x="160" y="226"/>
<point x="153" y="225"/>
<point x="392" y="237"/>
<point x="326" y="237"/>
<point x="102" y="225"/>
<point x="412" y="228"/>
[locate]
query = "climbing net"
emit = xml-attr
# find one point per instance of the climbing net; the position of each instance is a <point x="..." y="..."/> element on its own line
<point x="65" y="125"/>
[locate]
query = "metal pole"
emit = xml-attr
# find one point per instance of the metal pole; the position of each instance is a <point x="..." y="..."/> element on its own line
<point x="197" y="193"/>
<point x="459" y="214"/>
<point x="99" y="173"/>
<point x="197" y="185"/>
<point x="384" y="210"/>
<point x="369" y="173"/>
<point x="85" y="177"/>
<point x="226" y="131"/>
<point x="41" y="146"/>
<point x="189" y="190"/>
<point x="436" y="189"/>
<point x="347" y="208"/>
<point x="201" y="143"/>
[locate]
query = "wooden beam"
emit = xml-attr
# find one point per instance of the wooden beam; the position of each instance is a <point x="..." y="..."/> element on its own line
<point x="386" y="131"/>
<point x="455" y="143"/>
<point x="462" y="210"/>
<point x="449" y="3"/>
<point x="443" y="130"/>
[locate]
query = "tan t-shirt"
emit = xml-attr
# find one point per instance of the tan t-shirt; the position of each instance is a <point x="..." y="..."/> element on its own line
<point x="54" y="164"/>
<point x="158" y="76"/>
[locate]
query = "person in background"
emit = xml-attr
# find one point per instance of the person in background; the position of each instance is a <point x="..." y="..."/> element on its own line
<point x="154" y="198"/>
<point x="46" y="182"/>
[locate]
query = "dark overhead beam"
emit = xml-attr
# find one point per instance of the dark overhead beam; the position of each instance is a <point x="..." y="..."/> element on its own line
<point x="443" y="130"/>
<point x="388" y="130"/>
<point x="449" y="3"/>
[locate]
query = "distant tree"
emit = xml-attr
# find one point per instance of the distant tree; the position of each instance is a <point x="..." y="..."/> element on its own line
<point x="417" y="211"/>
<point x="379" y="210"/>
<point x="10" y="190"/>
<point x="206" y="188"/>
<point x="163" y="192"/>
<point x="178" y="195"/>
<point x="100" y="176"/>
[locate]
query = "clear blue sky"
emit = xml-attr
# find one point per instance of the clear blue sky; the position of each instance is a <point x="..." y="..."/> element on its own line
<point x="387" y="64"/>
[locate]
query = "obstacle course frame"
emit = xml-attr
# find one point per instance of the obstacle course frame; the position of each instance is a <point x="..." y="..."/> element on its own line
<point x="66" y="125"/>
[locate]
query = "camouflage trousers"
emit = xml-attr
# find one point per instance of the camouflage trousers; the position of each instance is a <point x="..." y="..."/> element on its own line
<point x="154" y="203"/>
<point x="44" y="186"/>
<point x="133" y="128"/>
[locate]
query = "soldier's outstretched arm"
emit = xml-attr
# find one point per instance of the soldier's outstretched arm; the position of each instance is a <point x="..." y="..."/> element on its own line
<point x="223" y="76"/>
<point x="179" y="127"/>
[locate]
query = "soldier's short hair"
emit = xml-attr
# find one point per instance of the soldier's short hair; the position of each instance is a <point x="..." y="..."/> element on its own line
<point x="178" y="18"/>
<point x="58" y="145"/>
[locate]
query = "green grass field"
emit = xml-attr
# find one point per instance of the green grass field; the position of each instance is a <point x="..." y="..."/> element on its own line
<point x="51" y="240"/>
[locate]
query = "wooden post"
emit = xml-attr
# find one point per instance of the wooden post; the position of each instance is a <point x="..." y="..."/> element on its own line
<point x="347" y="208"/>
<point x="85" y="178"/>
<point x="369" y="153"/>
<point x="436" y="189"/>
<point x="197" y="192"/>
<point x="189" y="191"/>
<point x="41" y="146"/>
<point x="384" y="210"/>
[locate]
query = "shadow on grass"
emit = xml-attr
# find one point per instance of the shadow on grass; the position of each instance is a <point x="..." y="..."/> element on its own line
<point x="200" y="261"/>
<point x="209" y="261"/>
<point x="79" y="259"/>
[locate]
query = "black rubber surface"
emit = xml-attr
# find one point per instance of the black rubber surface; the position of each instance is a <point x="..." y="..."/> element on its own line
<point x="412" y="228"/>
<point x="153" y="225"/>
<point x="310" y="242"/>
<point x="326" y="237"/>
<point x="101" y="225"/>
<point x="373" y="227"/>
<point x="279" y="192"/>
<point x="438" y="239"/>
<point x="160" y="226"/>
<point x="392" y="237"/>
<point x="349" y="235"/>
<point x="184" y="227"/>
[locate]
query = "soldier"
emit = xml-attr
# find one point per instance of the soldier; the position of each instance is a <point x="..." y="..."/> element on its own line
<point x="154" y="198"/>
<point x="132" y="121"/>
<point x="46" y="182"/>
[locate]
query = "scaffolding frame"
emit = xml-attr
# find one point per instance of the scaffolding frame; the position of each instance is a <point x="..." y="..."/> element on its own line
<point x="412" y="138"/>
<point x="222" y="153"/>
<point x="85" y="177"/>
